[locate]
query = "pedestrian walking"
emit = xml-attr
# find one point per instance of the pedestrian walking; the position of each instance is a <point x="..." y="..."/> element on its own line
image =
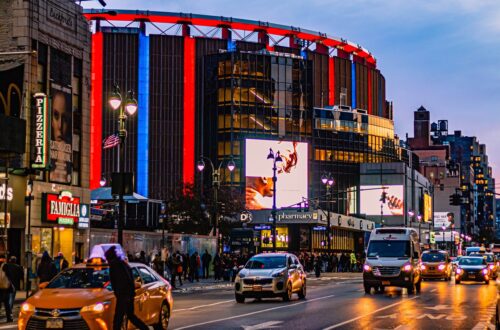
<point x="335" y="262"/>
<point x="194" y="268"/>
<point x="353" y="262"/>
<point x="6" y="289"/>
<point x="205" y="260"/>
<point x="177" y="269"/>
<point x="318" y="264"/>
<point x="217" y="267"/>
<point x="16" y="276"/>
<point x="60" y="263"/>
<point x="46" y="269"/>
<point x="123" y="284"/>
<point x="185" y="266"/>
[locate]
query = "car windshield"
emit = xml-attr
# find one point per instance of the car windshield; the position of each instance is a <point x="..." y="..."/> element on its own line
<point x="488" y="257"/>
<point x="471" y="262"/>
<point x="433" y="257"/>
<point x="80" y="278"/>
<point x="266" y="262"/>
<point x="389" y="249"/>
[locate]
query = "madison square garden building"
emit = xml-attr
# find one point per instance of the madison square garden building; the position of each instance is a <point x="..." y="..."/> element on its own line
<point x="231" y="89"/>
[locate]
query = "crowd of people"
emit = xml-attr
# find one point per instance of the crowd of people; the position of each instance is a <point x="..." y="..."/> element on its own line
<point x="332" y="262"/>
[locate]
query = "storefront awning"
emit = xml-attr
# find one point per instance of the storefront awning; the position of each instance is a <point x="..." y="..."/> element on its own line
<point x="104" y="194"/>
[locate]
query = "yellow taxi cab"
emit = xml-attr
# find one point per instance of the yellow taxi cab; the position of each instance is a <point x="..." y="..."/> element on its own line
<point x="81" y="297"/>
<point x="436" y="264"/>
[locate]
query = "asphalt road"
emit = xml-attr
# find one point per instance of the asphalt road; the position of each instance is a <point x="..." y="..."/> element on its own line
<point x="334" y="304"/>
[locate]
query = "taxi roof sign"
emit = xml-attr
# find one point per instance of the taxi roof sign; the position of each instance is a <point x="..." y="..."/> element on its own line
<point x="99" y="251"/>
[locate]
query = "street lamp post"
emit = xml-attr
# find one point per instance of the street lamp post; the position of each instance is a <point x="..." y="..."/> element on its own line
<point x="216" y="179"/>
<point x="130" y="108"/>
<point x="328" y="181"/>
<point x="419" y="218"/>
<point x="29" y="253"/>
<point x="276" y="158"/>
<point x="444" y="228"/>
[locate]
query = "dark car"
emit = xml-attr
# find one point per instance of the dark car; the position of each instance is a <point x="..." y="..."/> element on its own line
<point x="472" y="269"/>
<point x="492" y="261"/>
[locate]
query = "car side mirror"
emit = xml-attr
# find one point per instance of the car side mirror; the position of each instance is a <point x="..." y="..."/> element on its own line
<point x="43" y="285"/>
<point x="137" y="284"/>
<point x="293" y="266"/>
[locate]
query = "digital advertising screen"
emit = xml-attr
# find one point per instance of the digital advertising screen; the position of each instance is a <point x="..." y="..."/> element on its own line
<point x="292" y="173"/>
<point x="446" y="219"/>
<point x="371" y="204"/>
<point x="427" y="208"/>
<point x="61" y="150"/>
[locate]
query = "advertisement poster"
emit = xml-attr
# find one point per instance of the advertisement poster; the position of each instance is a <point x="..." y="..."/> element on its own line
<point x="61" y="134"/>
<point x="292" y="181"/>
<point x="372" y="205"/>
<point x="11" y="91"/>
<point x="427" y="208"/>
<point x="445" y="219"/>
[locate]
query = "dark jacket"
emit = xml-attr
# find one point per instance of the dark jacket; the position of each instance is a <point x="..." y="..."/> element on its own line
<point x="122" y="280"/>
<point x="46" y="269"/>
<point x="15" y="274"/>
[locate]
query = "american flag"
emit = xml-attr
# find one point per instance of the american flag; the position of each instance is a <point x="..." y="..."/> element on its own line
<point x="111" y="141"/>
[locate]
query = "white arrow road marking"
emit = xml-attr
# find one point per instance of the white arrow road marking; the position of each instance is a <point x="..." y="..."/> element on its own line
<point x="265" y="325"/>
<point x="439" y="307"/>
<point x="403" y="327"/>
<point x="430" y="316"/>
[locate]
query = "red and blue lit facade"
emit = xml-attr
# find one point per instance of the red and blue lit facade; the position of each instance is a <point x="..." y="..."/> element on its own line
<point x="162" y="59"/>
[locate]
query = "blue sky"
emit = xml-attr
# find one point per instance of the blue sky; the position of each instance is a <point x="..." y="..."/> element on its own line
<point x="443" y="54"/>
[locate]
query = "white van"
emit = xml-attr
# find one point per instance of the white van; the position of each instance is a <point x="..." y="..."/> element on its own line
<point x="393" y="259"/>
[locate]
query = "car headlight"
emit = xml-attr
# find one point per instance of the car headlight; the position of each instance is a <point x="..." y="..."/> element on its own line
<point x="441" y="267"/>
<point x="27" y="308"/>
<point x="459" y="271"/>
<point x="367" y="268"/>
<point x="407" y="267"/>
<point x="96" y="308"/>
<point x="422" y="267"/>
<point x="485" y="271"/>
<point x="280" y="274"/>
<point x="492" y="266"/>
<point x="241" y="275"/>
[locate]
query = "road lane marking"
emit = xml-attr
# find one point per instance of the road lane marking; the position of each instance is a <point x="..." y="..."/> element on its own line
<point x="201" y="306"/>
<point x="261" y="326"/>
<point x="368" y="314"/>
<point x="433" y="290"/>
<point x="9" y="326"/>
<point x="254" y="313"/>
<point x="439" y="307"/>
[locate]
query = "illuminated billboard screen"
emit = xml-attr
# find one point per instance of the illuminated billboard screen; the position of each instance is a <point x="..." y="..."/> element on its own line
<point x="372" y="205"/>
<point x="427" y="207"/>
<point x="292" y="182"/>
<point x="446" y="219"/>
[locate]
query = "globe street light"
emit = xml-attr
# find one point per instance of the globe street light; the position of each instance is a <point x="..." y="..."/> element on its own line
<point x="216" y="179"/>
<point x="276" y="158"/>
<point x="419" y="218"/>
<point x="116" y="103"/>
<point x="444" y="228"/>
<point x="328" y="181"/>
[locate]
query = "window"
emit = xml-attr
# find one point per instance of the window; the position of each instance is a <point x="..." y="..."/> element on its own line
<point x="146" y="276"/>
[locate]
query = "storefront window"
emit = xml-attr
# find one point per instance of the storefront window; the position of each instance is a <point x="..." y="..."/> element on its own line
<point x="281" y="238"/>
<point x="41" y="240"/>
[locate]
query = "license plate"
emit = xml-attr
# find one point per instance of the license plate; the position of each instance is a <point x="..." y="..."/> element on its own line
<point x="472" y="276"/>
<point x="257" y="288"/>
<point x="431" y="268"/>
<point x="54" y="324"/>
<point x="386" y="283"/>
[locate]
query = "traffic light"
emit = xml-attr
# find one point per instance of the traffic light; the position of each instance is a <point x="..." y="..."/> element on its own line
<point x="455" y="199"/>
<point x="383" y="197"/>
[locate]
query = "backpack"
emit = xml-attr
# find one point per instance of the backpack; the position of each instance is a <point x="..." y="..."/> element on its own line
<point x="4" y="280"/>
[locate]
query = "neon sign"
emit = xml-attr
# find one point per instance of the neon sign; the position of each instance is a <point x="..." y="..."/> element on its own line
<point x="40" y="119"/>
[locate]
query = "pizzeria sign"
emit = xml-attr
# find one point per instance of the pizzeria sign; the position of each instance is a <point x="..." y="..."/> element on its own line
<point x="63" y="208"/>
